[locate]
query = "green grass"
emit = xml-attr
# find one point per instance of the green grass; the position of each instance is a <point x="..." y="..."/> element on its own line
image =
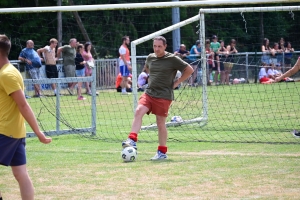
<point x="245" y="158"/>
<point x="237" y="113"/>
<point x="75" y="168"/>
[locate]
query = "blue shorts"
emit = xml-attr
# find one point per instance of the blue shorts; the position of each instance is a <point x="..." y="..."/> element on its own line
<point x="80" y="72"/>
<point x="12" y="151"/>
<point x="124" y="70"/>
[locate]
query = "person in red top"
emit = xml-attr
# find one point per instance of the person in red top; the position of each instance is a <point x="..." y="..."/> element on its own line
<point x="124" y="63"/>
<point x="210" y="53"/>
<point x="119" y="81"/>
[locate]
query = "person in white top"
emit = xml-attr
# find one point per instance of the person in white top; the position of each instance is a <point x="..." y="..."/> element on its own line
<point x="124" y="62"/>
<point x="143" y="80"/>
<point x="263" y="76"/>
<point x="271" y="72"/>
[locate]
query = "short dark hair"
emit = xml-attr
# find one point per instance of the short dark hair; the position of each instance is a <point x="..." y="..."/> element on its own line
<point x="161" y="38"/>
<point x="197" y="42"/>
<point x="214" y="37"/>
<point x="124" y="38"/>
<point x="79" y="46"/>
<point x="5" y="45"/>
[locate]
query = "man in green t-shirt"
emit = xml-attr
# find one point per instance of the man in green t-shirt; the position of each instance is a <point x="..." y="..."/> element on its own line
<point x="68" y="55"/>
<point x="162" y="67"/>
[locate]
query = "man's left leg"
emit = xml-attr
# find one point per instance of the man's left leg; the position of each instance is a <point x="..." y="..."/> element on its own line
<point x="162" y="138"/>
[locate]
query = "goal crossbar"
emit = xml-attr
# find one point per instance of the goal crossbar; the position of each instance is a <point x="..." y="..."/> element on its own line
<point x="249" y="9"/>
<point x="137" y="6"/>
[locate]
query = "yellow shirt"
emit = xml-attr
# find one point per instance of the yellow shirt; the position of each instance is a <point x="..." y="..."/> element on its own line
<point x="12" y="123"/>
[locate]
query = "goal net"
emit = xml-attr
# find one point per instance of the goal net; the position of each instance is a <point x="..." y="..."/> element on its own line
<point x="243" y="112"/>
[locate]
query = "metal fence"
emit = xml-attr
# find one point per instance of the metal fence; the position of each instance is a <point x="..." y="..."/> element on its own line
<point x="247" y="65"/>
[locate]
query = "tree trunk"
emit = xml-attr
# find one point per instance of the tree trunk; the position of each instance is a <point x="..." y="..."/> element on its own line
<point x="82" y="29"/>
<point x="261" y="27"/>
<point x="59" y="25"/>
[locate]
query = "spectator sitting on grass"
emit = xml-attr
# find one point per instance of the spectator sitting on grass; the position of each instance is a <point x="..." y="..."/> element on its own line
<point x="263" y="76"/>
<point x="119" y="80"/>
<point x="143" y="80"/>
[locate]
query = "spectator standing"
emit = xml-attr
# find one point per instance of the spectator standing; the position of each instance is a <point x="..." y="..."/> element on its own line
<point x="215" y="46"/>
<point x="266" y="51"/>
<point x="124" y="63"/>
<point x="80" y="69"/>
<point x="223" y="53"/>
<point x="48" y="55"/>
<point x="288" y="54"/>
<point x="68" y="54"/>
<point x="33" y="64"/>
<point x="87" y="56"/>
<point x="182" y="53"/>
<point x="281" y="47"/>
<point x="14" y="111"/>
<point x="209" y="62"/>
<point x="230" y="59"/>
<point x="194" y="61"/>
<point x="274" y="54"/>
<point x="159" y="94"/>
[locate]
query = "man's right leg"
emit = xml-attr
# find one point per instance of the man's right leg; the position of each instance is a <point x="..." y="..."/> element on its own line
<point x="140" y="111"/>
<point x="25" y="184"/>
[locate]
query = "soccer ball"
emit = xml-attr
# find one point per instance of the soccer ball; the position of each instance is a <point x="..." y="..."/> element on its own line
<point x="129" y="154"/>
<point x="176" y="119"/>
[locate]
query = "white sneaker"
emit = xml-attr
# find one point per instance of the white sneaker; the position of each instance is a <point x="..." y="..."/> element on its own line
<point x="159" y="156"/>
<point x="129" y="143"/>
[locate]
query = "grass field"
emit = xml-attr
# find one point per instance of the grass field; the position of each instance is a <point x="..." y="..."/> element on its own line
<point x="236" y="113"/>
<point x="75" y="168"/>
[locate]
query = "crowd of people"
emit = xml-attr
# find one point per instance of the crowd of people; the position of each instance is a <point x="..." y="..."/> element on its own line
<point x="219" y="58"/>
<point x="272" y="60"/>
<point x="77" y="62"/>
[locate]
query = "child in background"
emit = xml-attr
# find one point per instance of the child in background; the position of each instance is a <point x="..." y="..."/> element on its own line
<point x="215" y="46"/>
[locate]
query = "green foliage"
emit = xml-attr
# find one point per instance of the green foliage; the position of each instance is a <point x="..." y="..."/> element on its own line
<point x="105" y="28"/>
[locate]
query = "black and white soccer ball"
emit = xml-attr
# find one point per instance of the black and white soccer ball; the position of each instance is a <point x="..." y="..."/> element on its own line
<point x="129" y="154"/>
<point x="176" y="119"/>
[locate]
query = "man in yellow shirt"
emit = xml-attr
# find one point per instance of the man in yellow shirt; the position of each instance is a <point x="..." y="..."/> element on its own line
<point x="14" y="111"/>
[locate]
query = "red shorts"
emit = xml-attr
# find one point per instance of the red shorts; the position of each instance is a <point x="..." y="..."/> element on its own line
<point x="156" y="106"/>
<point x="264" y="79"/>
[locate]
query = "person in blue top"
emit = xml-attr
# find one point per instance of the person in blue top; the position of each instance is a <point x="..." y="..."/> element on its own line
<point x="33" y="64"/>
<point x="194" y="56"/>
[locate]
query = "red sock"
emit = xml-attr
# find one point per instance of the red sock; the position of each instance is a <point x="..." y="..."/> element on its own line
<point x="133" y="136"/>
<point x="162" y="149"/>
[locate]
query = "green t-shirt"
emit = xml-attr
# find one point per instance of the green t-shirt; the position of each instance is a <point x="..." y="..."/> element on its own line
<point x="215" y="46"/>
<point x="68" y="54"/>
<point x="162" y="71"/>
